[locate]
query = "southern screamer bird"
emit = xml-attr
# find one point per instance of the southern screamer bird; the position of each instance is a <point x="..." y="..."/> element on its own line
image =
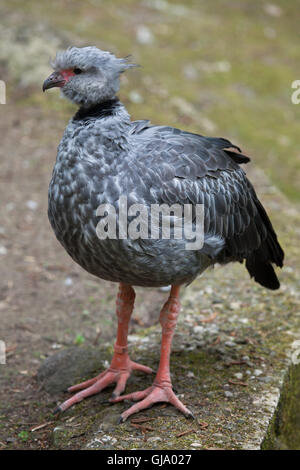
<point x="106" y="161"/>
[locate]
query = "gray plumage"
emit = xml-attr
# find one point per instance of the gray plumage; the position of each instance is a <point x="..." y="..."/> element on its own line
<point x="104" y="155"/>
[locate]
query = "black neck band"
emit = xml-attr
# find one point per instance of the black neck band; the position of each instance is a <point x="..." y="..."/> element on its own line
<point x="100" y="110"/>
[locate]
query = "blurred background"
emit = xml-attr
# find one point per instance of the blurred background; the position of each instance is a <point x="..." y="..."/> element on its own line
<point x="218" y="67"/>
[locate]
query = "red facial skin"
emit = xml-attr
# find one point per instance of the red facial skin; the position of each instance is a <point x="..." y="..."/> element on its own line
<point x="67" y="74"/>
<point x="58" y="79"/>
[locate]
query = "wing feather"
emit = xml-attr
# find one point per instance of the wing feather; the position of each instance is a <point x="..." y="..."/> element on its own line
<point x="205" y="170"/>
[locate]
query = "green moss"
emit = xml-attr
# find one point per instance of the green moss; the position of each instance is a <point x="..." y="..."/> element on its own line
<point x="284" y="430"/>
<point x="24" y="436"/>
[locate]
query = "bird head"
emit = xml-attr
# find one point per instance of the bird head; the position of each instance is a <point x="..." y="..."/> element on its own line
<point x="86" y="75"/>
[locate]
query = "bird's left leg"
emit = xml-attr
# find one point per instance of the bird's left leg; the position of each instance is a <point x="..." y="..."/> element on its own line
<point x="161" y="390"/>
<point x="121" y="365"/>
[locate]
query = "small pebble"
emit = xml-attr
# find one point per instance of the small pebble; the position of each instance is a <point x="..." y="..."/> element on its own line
<point x="273" y="10"/>
<point x="135" y="97"/>
<point x="32" y="205"/>
<point x="196" y="444"/>
<point x="110" y="439"/>
<point x="154" y="439"/>
<point x="199" y="329"/>
<point x="165" y="289"/>
<point x="144" y="35"/>
<point x="145" y="340"/>
<point x="68" y="281"/>
<point x="3" y="250"/>
<point x="208" y="290"/>
<point x="266" y="379"/>
<point x="235" y="305"/>
<point x="238" y="375"/>
<point x="133" y="338"/>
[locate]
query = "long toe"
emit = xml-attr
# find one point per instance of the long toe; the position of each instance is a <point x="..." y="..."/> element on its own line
<point x="174" y="400"/>
<point x="120" y="387"/>
<point x="135" y="396"/>
<point x="99" y="385"/>
<point x="86" y="384"/>
<point x="150" y="396"/>
<point x="141" y="367"/>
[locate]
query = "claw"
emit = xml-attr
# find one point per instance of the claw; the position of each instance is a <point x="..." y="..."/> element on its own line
<point x="120" y="420"/>
<point x="57" y="410"/>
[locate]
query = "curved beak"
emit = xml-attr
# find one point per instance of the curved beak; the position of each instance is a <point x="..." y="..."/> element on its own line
<point x="54" y="80"/>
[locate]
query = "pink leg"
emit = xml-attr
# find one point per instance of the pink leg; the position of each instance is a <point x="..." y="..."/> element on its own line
<point x="161" y="390"/>
<point x="121" y="365"/>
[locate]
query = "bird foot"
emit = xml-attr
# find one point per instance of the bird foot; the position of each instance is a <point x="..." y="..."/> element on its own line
<point x="113" y="374"/>
<point x="157" y="393"/>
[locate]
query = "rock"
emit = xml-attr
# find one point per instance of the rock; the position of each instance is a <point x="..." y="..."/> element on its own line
<point x="67" y="367"/>
<point x="109" y="421"/>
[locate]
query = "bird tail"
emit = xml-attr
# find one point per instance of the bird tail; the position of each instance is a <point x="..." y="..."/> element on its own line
<point x="259" y="263"/>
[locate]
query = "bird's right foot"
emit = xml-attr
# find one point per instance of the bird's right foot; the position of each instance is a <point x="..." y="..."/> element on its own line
<point x="158" y="393"/>
<point x="119" y="371"/>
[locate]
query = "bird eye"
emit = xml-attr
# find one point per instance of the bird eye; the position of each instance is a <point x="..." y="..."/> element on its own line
<point x="77" y="71"/>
